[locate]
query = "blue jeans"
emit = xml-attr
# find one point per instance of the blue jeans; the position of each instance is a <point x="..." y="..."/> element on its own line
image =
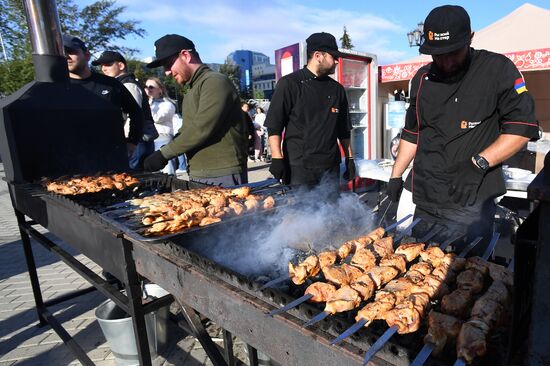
<point x="160" y="141"/>
<point x="143" y="150"/>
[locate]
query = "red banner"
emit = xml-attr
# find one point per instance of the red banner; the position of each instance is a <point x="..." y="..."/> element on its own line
<point x="524" y="60"/>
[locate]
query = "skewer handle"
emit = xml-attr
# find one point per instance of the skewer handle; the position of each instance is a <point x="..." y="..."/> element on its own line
<point x="491" y="246"/>
<point x="290" y="305"/>
<point x="470" y="247"/>
<point x="354" y="328"/>
<point x="423" y="355"/>
<point x="449" y="241"/>
<point x="317" y="318"/>
<point x="397" y="223"/>
<point x="275" y="281"/>
<point x="407" y="229"/>
<point x="377" y="346"/>
<point x="460" y="362"/>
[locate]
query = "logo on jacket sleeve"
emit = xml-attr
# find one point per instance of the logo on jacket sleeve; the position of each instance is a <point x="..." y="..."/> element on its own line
<point x="519" y="85"/>
<point x="464" y="125"/>
<point x="334" y="110"/>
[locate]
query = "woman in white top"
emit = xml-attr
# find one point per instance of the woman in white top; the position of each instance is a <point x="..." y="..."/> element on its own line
<point x="259" y="120"/>
<point x="162" y="109"/>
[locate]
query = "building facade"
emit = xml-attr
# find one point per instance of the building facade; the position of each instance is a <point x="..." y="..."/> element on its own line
<point x="257" y="74"/>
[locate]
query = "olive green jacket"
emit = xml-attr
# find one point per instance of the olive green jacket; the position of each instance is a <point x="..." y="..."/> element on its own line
<point x="213" y="133"/>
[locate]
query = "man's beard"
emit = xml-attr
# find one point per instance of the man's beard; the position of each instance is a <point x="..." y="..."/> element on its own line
<point x="78" y="68"/>
<point x="325" y="71"/>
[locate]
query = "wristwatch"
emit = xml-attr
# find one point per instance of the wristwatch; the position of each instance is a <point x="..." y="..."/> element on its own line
<point x="481" y="162"/>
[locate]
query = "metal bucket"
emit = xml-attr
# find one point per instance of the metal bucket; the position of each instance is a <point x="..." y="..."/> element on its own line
<point x="117" y="327"/>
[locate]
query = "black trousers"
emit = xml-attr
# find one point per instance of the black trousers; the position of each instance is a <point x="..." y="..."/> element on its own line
<point x="469" y="222"/>
<point x="310" y="177"/>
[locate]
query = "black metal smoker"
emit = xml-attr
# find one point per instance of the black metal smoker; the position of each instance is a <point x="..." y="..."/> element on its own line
<point x="50" y="128"/>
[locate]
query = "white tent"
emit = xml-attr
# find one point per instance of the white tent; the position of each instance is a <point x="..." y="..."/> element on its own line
<point x="523" y="36"/>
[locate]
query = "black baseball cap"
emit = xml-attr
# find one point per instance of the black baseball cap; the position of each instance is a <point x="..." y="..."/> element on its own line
<point x="324" y="42"/>
<point x="168" y="46"/>
<point x="73" y="43"/>
<point x="108" y="57"/>
<point x="446" y="29"/>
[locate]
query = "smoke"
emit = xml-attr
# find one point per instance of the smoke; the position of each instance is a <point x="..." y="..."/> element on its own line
<point x="312" y="220"/>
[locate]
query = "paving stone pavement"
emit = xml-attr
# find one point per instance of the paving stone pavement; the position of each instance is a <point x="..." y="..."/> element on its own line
<point x="23" y="342"/>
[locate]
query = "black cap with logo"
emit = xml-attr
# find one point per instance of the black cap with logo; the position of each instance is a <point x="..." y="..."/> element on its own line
<point x="446" y="29"/>
<point x="324" y="42"/>
<point x="168" y="46"/>
<point x="108" y="57"/>
<point x="73" y="43"/>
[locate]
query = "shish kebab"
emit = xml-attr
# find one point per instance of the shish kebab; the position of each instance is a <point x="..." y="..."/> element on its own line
<point x="394" y="328"/>
<point x="444" y="328"/>
<point x="375" y="234"/>
<point x="343" y="274"/>
<point x="399" y="289"/>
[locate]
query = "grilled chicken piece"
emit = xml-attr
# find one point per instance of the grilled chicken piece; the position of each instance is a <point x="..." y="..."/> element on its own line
<point x="352" y="272"/>
<point x="400" y="288"/>
<point x="209" y="220"/>
<point x="345" y="249"/>
<point x="382" y="275"/>
<point x="327" y="258"/>
<point x="383" y="246"/>
<point x="410" y="250"/>
<point x="241" y="192"/>
<point x="424" y="268"/>
<point x="365" y="286"/>
<point x="442" y="328"/>
<point x="406" y="319"/>
<point x="268" y="203"/>
<point x="415" y="277"/>
<point x="251" y="204"/>
<point x="373" y="310"/>
<point x="458" y="303"/>
<point x="374" y="235"/>
<point x="336" y="275"/>
<point x="394" y="260"/>
<point x="453" y="262"/>
<point x="238" y="208"/>
<point x="471" y="341"/>
<point x="471" y="280"/>
<point x="309" y="267"/>
<point x="435" y="286"/>
<point x="363" y="258"/>
<point x="433" y="255"/>
<point x="344" y="299"/>
<point x="321" y="291"/>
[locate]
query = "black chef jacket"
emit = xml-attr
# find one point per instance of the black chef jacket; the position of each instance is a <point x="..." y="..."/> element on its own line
<point x="313" y="111"/>
<point x="452" y="121"/>
<point x="115" y="92"/>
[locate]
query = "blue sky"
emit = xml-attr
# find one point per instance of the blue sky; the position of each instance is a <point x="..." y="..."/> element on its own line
<point x="219" y="27"/>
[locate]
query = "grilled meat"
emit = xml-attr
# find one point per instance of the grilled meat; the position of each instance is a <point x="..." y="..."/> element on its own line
<point x="352" y="272"/>
<point x="346" y="249"/>
<point x="327" y="258"/>
<point x="397" y="261"/>
<point x="471" y="341"/>
<point x="344" y="299"/>
<point x="91" y="184"/>
<point x="496" y="272"/>
<point x="410" y="250"/>
<point x="458" y="303"/>
<point x="372" y="310"/>
<point x="442" y="328"/>
<point x="471" y="280"/>
<point x="383" y="246"/>
<point x="321" y="291"/>
<point x="382" y="275"/>
<point x="308" y="268"/>
<point x="364" y="259"/>
<point x="336" y="275"/>
<point x="365" y="286"/>
<point x="433" y="255"/>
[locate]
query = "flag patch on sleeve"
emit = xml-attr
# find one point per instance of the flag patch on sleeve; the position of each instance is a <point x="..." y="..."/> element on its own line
<point x="519" y="85"/>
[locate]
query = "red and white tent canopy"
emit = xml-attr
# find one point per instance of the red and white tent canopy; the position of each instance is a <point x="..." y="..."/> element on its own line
<point x="523" y="36"/>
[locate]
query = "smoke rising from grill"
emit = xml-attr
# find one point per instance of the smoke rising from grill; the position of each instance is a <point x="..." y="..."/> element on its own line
<point x="312" y="220"/>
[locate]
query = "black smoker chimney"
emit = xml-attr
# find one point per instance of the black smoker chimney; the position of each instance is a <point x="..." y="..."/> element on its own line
<point x="52" y="127"/>
<point x="48" y="57"/>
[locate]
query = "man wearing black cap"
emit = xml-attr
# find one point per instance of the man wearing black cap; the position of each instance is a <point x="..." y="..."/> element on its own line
<point x="213" y="135"/>
<point x="469" y="111"/>
<point x="113" y="64"/>
<point x="108" y="88"/>
<point x="312" y="110"/>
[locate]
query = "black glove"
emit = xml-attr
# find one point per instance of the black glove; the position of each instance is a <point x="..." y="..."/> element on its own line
<point x="278" y="168"/>
<point x="349" y="174"/>
<point x="154" y="162"/>
<point x="466" y="179"/>
<point x="394" y="188"/>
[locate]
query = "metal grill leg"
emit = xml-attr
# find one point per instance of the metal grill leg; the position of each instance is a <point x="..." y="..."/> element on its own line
<point x="252" y="355"/>
<point x="31" y="267"/>
<point x="202" y="336"/>
<point x="135" y="308"/>
<point x="228" y="347"/>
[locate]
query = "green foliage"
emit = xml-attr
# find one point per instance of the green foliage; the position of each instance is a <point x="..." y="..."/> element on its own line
<point x="98" y="25"/>
<point x="345" y="40"/>
<point x="233" y="72"/>
<point x="259" y="94"/>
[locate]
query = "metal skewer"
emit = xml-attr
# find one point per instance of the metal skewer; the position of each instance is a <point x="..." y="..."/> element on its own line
<point x="351" y="330"/>
<point x="385" y="212"/>
<point x="460" y="362"/>
<point x="407" y="230"/>
<point x="286" y="277"/>
<point x="290" y="305"/>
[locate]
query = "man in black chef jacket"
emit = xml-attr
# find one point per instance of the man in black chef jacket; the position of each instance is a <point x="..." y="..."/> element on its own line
<point x="311" y="109"/>
<point x="469" y="111"/>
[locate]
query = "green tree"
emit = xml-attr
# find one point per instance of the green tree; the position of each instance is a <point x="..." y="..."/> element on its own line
<point x="259" y="94"/>
<point x="98" y="24"/>
<point x="233" y="72"/>
<point x="345" y="40"/>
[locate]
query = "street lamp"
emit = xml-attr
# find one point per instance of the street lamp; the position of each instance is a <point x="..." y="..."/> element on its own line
<point x="415" y="36"/>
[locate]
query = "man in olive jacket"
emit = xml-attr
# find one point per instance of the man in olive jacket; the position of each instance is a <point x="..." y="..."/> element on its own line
<point x="213" y="135"/>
